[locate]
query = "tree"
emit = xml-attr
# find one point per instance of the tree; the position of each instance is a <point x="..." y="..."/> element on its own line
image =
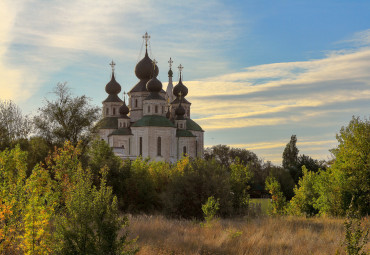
<point x="352" y="164"/>
<point x="13" y="125"/>
<point x="278" y="201"/>
<point x="67" y="118"/>
<point x="290" y="158"/>
<point x="13" y="169"/>
<point x="240" y="177"/>
<point x="304" y="200"/>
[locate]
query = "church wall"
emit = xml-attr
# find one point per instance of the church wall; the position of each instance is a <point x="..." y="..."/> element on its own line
<point x="111" y="109"/>
<point x="104" y="134"/>
<point x="149" y="142"/>
<point x="189" y="143"/>
<point x="200" y="142"/>
<point x="149" y="107"/>
<point x="121" y="144"/>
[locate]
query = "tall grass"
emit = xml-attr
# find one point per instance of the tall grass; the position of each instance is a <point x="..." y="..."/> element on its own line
<point x="265" y="235"/>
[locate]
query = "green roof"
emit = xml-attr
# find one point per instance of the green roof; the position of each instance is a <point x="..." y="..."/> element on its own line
<point x="153" y="121"/>
<point x="121" y="131"/>
<point x="192" y="125"/>
<point x="184" y="133"/>
<point x="108" y="123"/>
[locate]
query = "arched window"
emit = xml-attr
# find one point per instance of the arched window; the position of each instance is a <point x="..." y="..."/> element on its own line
<point x="114" y="111"/>
<point x="184" y="150"/>
<point x="148" y="108"/>
<point x="135" y="102"/>
<point x="141" y="146"/>
<point x="162" y="109"/>
<point x="156" y="109"/>
<point x="159" y="146"/>
<point x="107" y="111"/>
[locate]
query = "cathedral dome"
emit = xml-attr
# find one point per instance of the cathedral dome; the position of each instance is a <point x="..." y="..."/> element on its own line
<point x="170" y="73"/>
<point x="180" y="88"/>
<point x="123" y="110"/>
<point x="113" y="87"/>
<point x="154" y="85"/>
<point x="144" y="69"/>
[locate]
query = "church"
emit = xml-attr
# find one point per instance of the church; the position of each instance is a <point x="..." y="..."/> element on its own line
<point x="154" y="123"/>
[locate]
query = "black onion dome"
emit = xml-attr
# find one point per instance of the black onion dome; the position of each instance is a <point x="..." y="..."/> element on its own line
<point x="180" y="88"/>
<point x="170" y="73"/>
<point x="154" y="85"/>
<point x="144" y="69"/>
<point x="113" y="87"/>
<point x="123" y="110"/>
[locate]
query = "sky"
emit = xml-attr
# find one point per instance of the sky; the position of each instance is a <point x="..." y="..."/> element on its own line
<point x="257" y="71"/>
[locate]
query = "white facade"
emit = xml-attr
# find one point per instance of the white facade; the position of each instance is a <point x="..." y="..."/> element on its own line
<point x="144" y="127"/>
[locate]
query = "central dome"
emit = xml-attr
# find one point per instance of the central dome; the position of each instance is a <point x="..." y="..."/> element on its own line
<point x="144" y="69"/>
<point x="154" y="85"/>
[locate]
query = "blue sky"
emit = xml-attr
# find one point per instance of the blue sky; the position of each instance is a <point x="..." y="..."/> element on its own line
<point x="257" y="71"/>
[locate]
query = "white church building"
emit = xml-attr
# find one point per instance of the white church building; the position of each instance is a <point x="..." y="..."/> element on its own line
<point x="156" y="123"/>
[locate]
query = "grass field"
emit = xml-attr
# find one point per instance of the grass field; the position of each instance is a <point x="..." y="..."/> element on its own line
<point x="262" y="235"/>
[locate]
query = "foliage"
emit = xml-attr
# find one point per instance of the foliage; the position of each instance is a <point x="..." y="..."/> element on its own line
<point x="13" y="125"/>
<point x="38" y="237"/>
<point x="67" y="118"/>
<point x="91" y="221"/>
<point x="284" y="178"/>
<point x="278" y="201"/>
<point x="13" y="169"/>
<point x="139" y="188"/>
<point x="240" y="177"/>
<point x="290" y="154"/>
<point x="355" y="237"/>
<point x="302" y="204"/>
<point x="352" y="164"/>
<point x="210" y="208"/>
<point x="190" y="186"/>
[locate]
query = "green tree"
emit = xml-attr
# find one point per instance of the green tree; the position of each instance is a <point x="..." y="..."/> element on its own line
<point x="39" y="213"/>
<point x="290" y="158"/>
<point x="240" y="178"/>
<point x="352" y="164"/>
<point x="13" y="124"/>
<point x="305" y="195"/>
<point x="278" y="201"/>
<point x="210" y="208"/>
<point x="13" y="169"/>
<point x="67" y="118"/>
<point x="192" y="182"/>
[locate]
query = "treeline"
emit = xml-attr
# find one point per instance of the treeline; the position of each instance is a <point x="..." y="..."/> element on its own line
<point x="62" y="190"/>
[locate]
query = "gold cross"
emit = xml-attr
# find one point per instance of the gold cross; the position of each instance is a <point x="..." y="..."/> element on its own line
<point x="170" y="62"/>
<point x="146" y="37"/>
<point x="112" y="64"/>
<point x="180" y="67"/>
<point x="154" y="63"/>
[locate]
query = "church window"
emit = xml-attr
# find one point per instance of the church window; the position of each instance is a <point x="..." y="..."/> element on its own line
<point x="148" y="108"/>
<point x="162" y="109"/>
<point x="180" y="125"/>
<point x="107" y="111"/>
<point x="114" y="111"/>
<point x="184" y="150"/>
<point x="159" y="146"/>
<point x="156" y="109"/>
<point x="120" y="124"/>
<point x="135" y="102"/>
<point x="141" y="146"/>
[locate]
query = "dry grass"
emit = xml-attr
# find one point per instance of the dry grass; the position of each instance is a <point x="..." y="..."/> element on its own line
<point x="287" y="235"/>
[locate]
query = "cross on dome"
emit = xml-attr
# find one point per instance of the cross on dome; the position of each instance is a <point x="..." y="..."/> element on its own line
<point x="170" y="62"/>
<point x="146" y="37"/>
<point x="112" y="64"/>
<point x="180" y="67"/>
<point x="124" y="95"/>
